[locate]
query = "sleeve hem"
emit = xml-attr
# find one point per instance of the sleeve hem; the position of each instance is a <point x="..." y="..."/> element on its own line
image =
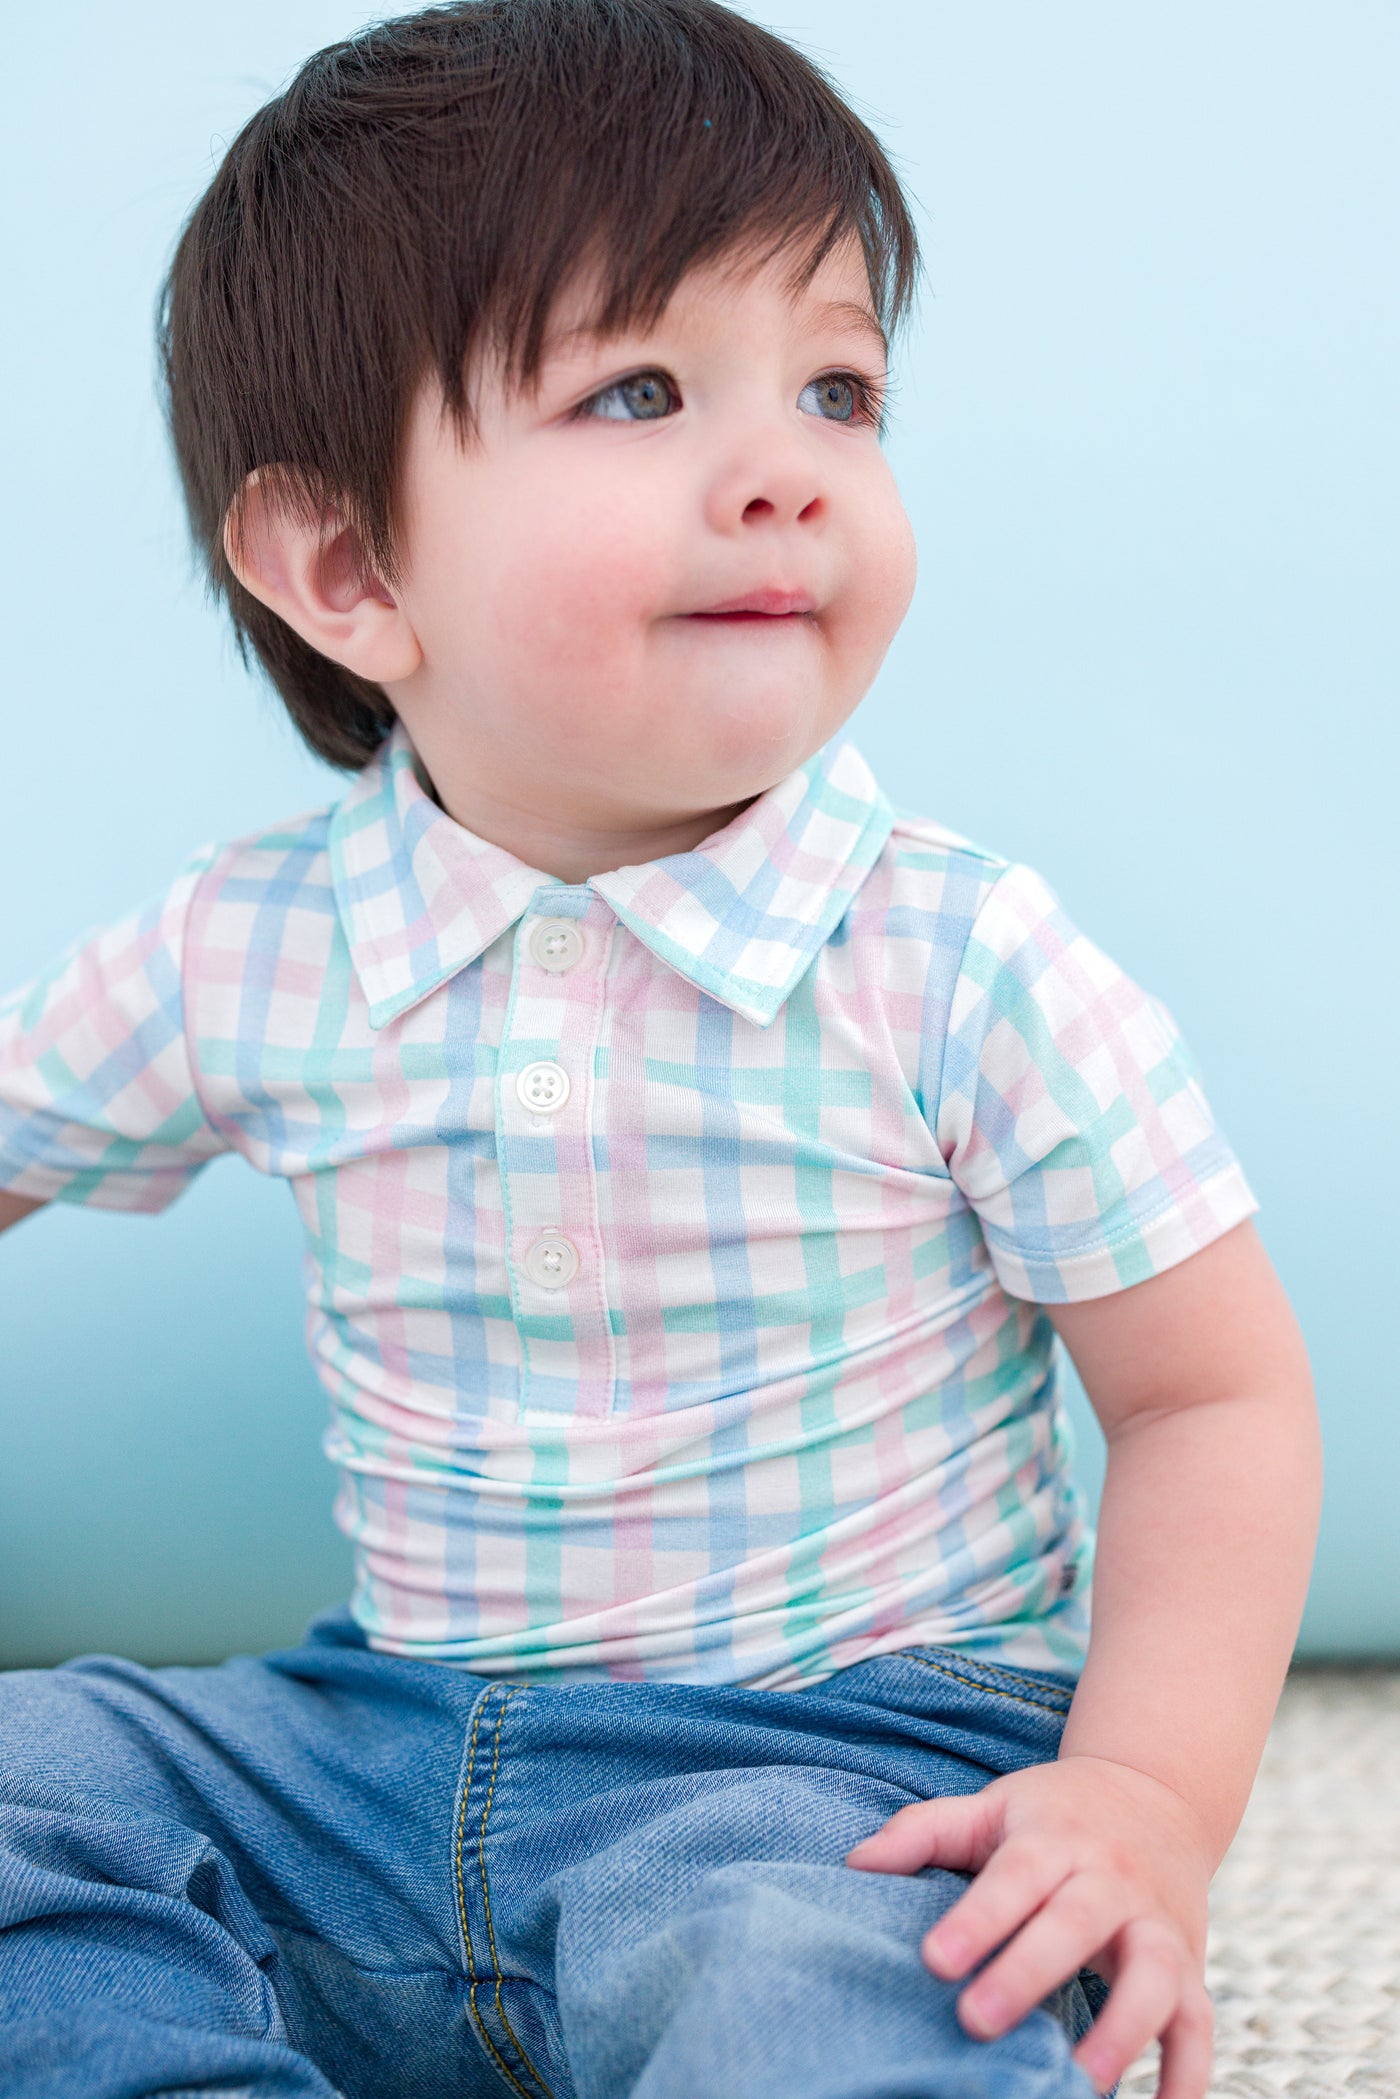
<point x="1182" y="1227"/>
<point x="89" y="1188"/>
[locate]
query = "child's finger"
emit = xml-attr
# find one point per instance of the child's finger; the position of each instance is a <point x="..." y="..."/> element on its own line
<point x="1186" y="2047"/>
<point x="1046" y="1934"/>
<point x="957" y="1832"/>
<point x="1148" y="1991"/>
<point x="1008" y="1890"/>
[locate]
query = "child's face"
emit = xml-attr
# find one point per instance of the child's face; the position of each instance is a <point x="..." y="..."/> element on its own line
<point x="662" y="578"/>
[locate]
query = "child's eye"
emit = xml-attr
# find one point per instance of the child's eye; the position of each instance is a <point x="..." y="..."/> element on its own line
<point x="839" y="397"/>
<point x="643" y="398"/>
<point x="649" y="396"/>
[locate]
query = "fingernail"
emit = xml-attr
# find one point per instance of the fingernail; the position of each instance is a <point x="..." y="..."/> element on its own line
<point x="982" y="2015"/>
<point x="947" y="1953"/>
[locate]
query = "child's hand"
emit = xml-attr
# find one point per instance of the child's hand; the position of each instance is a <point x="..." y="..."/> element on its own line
<point x="1081" y="1863"/>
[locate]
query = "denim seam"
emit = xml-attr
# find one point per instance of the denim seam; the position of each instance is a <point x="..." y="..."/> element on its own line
<point x="486" y="1898"/>
<point x="1017" y="1675"/>
<point x="993" y="1669"/>
<point x="973" y="1683"/>
<point x="486" y="2039"/>
<point x="1054" y="1684"/>
<point x="477" y="1980"/>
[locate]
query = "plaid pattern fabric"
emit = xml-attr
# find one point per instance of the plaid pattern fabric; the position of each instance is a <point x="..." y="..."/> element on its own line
<point x="677" y="1239"/>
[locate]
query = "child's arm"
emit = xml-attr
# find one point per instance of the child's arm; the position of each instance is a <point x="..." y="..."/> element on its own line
<point x="1205" y="1541"/>
<point x="100" y="1102"/>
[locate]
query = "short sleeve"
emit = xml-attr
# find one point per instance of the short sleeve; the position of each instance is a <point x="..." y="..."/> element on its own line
<point x="98" y="1101"/>
<point x="1070" y="1114"/>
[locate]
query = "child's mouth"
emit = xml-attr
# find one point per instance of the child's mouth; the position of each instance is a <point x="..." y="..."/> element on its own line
<point x="761" y="606"/>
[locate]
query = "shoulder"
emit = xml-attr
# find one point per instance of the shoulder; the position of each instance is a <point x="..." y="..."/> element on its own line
<point x="265" y="896"/>
<point x="945" y="911"/>
<point x="935" y="869"/>
<point x="924" y="846"/>
<point x="930" y="880"/>
<point x="280" y="867"/>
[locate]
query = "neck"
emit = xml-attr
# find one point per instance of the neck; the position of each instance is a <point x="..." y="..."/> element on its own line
<point x="572" y="850"/>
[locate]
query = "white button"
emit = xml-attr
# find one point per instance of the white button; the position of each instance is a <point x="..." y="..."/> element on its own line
<point x="556" y="944"/>
<point x="552" y="1261"/>
<point x="542" y="1088"/>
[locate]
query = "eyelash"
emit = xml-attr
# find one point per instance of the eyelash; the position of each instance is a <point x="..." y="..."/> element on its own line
<point x="872" y="401"/>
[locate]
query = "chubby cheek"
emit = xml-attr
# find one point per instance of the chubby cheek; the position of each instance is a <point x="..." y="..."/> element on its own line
<point x="570" y="590"/>
<point x="883" y="574"/>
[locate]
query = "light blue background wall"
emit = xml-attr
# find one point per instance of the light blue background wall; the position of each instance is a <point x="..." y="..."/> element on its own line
<point x="1149" y="436"/>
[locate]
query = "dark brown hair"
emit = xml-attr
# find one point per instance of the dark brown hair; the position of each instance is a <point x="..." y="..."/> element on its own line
<point x="428" y="187"/>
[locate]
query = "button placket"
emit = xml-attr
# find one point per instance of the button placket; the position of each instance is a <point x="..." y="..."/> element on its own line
<point x="544" y="1107"/>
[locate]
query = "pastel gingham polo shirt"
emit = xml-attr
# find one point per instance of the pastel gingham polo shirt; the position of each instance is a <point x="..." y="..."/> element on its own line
<point x="676" y="1239"/>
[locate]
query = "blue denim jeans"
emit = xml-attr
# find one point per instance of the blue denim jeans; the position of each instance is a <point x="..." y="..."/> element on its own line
<point x="330" y="1871"/>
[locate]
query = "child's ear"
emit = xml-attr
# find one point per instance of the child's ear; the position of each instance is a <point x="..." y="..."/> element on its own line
<point x="313" y="574"/>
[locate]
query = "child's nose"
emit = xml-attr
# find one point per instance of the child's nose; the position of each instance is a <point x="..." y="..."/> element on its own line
<point x="769" y="483"/>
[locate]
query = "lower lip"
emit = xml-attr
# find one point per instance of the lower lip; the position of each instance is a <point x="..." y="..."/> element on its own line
<point x="751" y="619"/>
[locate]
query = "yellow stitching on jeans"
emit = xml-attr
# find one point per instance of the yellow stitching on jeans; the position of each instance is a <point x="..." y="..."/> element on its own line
<point x="1044" y="1683"/>
<point x="486" y="1896"/>
<point x="1041" y="1683"/>
<point x="975" y="1684"/>
<point x="462" y="1905"/>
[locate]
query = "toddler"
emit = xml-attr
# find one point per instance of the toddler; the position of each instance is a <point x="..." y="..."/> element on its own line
<point x="698" y="1159"/>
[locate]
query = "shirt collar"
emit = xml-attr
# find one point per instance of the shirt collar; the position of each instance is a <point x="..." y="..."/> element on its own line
<point x="742" y="916"/>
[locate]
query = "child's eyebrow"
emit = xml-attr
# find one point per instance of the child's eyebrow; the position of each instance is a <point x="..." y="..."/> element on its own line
<point x="834" y="312"/>
<point x="853" y="315"/>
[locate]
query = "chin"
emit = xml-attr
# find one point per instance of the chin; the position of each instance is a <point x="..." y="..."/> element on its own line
<point x="762" y="743"/>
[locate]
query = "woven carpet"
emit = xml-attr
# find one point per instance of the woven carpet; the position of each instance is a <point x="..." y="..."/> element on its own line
<point x="1304" y="1951"/>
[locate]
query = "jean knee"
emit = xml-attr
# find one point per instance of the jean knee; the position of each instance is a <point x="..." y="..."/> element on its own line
<point x="100" y="1905"/>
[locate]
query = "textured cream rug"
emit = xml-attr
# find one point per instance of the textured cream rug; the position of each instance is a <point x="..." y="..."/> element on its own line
<point x="1304" y="1957"/>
